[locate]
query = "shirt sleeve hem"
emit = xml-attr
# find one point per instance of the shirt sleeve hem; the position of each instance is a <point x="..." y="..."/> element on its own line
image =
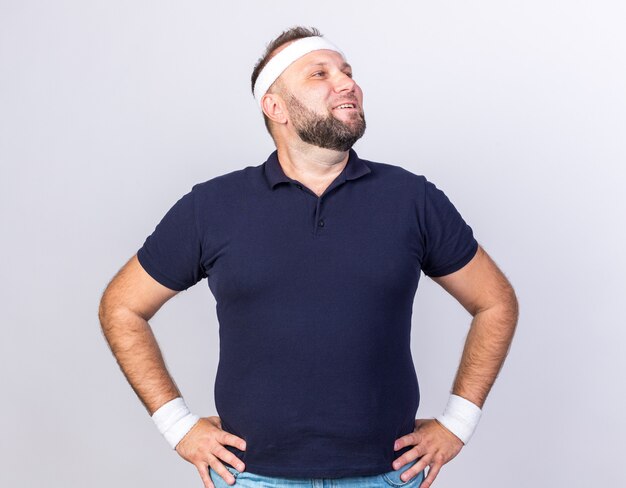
<point x="157" y="275"/>
<point x="457" y="265"/>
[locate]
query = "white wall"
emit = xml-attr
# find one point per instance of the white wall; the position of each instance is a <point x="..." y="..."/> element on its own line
<point x="111" y="110"/>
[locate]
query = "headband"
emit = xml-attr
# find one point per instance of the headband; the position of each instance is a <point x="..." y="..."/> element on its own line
<point x="281" y="61"/>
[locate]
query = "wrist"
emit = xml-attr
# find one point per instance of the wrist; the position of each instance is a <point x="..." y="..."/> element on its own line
<point x="460" y="417"/>
<point x="174" y="420"/>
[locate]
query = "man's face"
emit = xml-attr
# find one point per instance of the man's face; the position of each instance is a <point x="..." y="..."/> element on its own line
<point x="324" y="104"/>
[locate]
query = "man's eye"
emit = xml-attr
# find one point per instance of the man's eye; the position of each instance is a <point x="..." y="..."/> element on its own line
<point x="318" y="73"/>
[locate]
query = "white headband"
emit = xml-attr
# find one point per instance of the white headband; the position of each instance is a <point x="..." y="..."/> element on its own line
<point x="281" y="61"/>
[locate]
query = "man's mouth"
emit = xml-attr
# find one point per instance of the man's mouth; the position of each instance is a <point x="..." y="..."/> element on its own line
<point x="345" y="106"/>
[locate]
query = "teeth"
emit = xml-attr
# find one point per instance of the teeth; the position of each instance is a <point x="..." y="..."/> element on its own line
<point x="346" y="105"/>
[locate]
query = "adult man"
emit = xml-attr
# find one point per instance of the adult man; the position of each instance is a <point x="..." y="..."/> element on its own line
<point x="314" y="259"/>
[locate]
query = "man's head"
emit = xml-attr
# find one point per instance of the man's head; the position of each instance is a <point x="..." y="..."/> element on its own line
<point x="307" y="91"/>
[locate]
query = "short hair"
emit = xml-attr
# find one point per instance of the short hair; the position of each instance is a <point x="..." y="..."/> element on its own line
<point x="292" y="34"/>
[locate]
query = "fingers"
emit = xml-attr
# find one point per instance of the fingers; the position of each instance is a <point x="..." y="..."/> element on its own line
<point x="411" y="439"/>
<point x="407" y="457"/>
<point x="225" y="455"/>
<point x="232" y="440"/>
<point x="433" y="445"/>
<point x="203" y="446"/>
<point x="432" y="474"/>
<point x="206" y="478"/>
<point x="419" y="466"/>
<point x="221" y="470"/>
<point x="433" y="462"/>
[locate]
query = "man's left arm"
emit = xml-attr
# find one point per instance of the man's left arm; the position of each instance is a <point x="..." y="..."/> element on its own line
<point x="487" y="295"/>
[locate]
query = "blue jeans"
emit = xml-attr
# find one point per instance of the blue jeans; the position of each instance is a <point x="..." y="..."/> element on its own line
<point x="386" y="480"/>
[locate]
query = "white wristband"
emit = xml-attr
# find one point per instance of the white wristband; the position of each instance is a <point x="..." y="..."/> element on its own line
<point x="174" y="420"/>
<point x="460" y="417"/>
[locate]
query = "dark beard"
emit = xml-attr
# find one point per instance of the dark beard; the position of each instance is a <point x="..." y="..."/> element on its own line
<point x="326" y="132"/>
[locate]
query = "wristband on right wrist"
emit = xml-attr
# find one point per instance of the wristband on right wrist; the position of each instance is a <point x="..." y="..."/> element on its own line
<point x="460" y="417"/>
<point x="174" y="420"/>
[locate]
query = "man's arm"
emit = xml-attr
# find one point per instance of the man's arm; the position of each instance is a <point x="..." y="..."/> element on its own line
<point x="485" y="293"/>
<point x="488" y="296"/>
<point x="129" y="301"/>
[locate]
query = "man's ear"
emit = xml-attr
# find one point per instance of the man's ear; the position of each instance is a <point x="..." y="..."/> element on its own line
<point x="274" y="108"/>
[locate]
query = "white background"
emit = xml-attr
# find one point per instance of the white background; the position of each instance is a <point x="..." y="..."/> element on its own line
<point x="112" y="110"/>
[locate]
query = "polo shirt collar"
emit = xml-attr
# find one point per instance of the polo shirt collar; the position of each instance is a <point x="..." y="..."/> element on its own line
<point x="355" y="168"/>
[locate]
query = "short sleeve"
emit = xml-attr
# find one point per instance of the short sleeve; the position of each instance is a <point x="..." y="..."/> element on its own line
<point x="172" y="254"/>
<point x="449" y="241"/>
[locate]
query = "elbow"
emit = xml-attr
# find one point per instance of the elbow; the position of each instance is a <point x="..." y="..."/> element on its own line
<point x="512" y="304"/>
<point x="504" y="307"/>
<point x="508" y="309"/>
<point x="105" y="311"/>
<point x="110" y="310"/>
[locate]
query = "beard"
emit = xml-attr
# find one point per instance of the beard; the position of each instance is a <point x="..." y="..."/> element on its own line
<point x="322" y="131"/>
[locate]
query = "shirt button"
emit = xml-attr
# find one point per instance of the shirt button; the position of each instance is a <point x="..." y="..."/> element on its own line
<point x="321" y="223"/>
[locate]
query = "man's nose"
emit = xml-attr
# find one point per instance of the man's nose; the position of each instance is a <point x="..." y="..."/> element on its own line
<point x="344" y="82"/>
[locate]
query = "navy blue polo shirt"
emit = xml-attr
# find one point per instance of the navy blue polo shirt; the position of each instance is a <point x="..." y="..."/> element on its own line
<point x="314" y="301"/>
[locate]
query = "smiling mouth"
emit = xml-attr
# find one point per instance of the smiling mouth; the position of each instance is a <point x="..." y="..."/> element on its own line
<point x="346" y="106"/>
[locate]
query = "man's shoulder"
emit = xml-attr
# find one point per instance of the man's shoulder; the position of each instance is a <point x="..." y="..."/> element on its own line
<point x="236" y="180"/>
<point x="394" y="173"/>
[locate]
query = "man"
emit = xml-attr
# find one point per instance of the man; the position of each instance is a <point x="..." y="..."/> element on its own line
<point x="314" y="258"/>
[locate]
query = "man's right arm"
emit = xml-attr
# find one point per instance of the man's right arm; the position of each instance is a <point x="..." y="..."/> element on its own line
<point x="129" y="301"/>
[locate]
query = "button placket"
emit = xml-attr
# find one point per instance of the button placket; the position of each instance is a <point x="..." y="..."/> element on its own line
<point x="319" y="222"/>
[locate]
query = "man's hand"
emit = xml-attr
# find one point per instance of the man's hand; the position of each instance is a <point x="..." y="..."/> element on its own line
<point x="434" y="444"/>
<point x="203" y="446"/>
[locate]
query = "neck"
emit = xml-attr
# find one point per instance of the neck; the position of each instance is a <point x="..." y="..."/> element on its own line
<point x="313" y="166"/>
